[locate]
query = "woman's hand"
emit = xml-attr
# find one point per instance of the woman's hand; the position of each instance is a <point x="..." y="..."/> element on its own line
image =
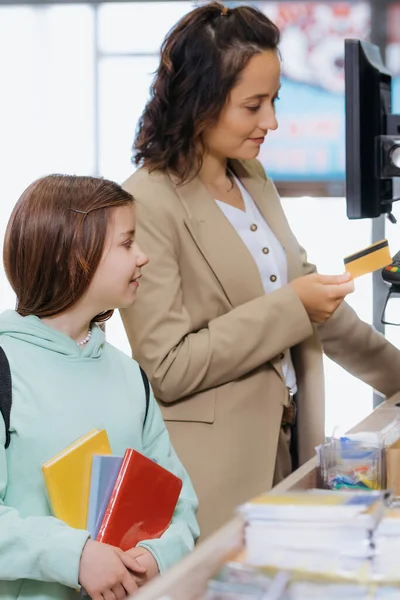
<point x="108" y="573"/>
<point x="322" y="294"/>
<point x="145" y="558"/>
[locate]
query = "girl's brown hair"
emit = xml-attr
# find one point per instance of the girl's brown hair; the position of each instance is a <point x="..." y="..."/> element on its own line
<point x="55" y="239"/>
<point x="201" y="61"/>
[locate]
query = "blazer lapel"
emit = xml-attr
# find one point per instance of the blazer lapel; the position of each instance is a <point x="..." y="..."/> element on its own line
<point x="220" y="244"/>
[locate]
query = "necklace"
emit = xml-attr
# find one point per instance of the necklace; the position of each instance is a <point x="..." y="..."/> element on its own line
<point x="86" y="339"/>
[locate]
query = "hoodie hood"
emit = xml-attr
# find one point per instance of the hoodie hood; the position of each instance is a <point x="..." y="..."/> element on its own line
<point x="31" y="330"/>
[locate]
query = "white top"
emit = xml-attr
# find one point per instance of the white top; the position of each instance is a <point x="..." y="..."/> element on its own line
<point x="268" y="253"/>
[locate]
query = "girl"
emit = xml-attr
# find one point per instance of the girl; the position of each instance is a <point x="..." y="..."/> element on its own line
<point x="71" y="257"/>
<point x="231" y="320"/>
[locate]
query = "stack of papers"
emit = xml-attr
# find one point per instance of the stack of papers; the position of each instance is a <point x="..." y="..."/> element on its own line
<point x="313" y="531"/>
<point x="241" y="582"/>
<point x="387" y="546"/>
<point x="236" y="581"/>
<point x="351" y="591"/>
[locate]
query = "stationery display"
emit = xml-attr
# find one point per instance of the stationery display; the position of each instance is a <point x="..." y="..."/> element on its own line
<point x="316" y="531"/>
<point x="338" y="542"/>
<point x="241" y="581"/>
<point x="363" y="461"/>
<point x="387" y="546"/>
<point x="238" y="582"/>
<point x="352" y="464"/>
<point x="330" y="544"/>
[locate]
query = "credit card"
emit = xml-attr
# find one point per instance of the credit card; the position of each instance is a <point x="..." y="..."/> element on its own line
<point x="368" y="260"/>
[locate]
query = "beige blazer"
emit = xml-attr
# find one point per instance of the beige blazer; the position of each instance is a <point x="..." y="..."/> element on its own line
<point x="211" y="340"/>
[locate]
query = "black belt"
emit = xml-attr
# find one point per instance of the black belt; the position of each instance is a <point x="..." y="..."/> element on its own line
<point x="290" y="411"/>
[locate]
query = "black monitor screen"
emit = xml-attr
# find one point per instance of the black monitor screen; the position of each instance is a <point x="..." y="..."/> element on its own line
<point x="368" y="104"/>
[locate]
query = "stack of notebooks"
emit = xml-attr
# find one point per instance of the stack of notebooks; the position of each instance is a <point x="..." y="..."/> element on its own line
<point x="387" y="547"/>
<point x="314" y="531"/>
<point x="242" y="582"/>
<point x="310" y="590"/>
<point x="121" y="500"/>
<point x="236" y="581"/>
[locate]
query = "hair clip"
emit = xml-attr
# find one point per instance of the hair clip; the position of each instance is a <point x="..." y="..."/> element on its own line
<point x="81" y="212"/>
<point x="224" y="11"/>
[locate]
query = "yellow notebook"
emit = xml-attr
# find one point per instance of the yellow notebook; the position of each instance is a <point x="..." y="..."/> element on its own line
<point x="67" y="477"/>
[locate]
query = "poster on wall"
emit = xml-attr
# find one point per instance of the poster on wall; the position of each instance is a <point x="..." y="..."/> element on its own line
<point x="393" y="53"/>
<point x="309" y="144"/>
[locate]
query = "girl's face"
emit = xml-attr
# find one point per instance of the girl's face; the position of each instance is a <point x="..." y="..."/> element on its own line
<point x="250" y="110"/>
<point x="117" y="277"/>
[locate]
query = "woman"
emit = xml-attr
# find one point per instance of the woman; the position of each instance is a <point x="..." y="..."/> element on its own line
<point x="231" y="319"/>
<point x="71" y="257"/>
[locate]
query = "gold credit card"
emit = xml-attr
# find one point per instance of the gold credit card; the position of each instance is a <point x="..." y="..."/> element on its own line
<point x="368" y="260"/>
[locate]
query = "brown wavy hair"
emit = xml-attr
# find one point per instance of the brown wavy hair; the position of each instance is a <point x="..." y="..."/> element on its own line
<point x="201" y="61"/>
<point x="55" y="240"/>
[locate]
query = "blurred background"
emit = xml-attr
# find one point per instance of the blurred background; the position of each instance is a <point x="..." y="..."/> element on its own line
<point x="74" y="80"/>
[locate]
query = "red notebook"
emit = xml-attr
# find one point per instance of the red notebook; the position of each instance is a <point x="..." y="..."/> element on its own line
<point x="141" y="504"/>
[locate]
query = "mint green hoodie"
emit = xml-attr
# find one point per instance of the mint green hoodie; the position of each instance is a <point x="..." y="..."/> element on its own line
<point x="60" y="392"/>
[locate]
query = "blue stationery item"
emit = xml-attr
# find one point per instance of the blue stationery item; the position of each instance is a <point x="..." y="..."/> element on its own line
<point x="348" y="463"/>
<point x="105" y="469"/>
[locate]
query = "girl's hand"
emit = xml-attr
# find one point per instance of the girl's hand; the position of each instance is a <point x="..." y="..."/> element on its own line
<point x="108" y="573"/>
<point x="145" y="558"/>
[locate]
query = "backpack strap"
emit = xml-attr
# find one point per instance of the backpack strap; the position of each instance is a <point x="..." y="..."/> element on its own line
<point x="5" y="393"/>
<point x="147" y="390"/>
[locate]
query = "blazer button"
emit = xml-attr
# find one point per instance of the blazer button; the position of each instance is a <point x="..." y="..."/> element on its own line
<point x="253" y="227"/>
<point x="281" y="356"/>
<point x="265" y="250"/>
<point x="273" y="278"/>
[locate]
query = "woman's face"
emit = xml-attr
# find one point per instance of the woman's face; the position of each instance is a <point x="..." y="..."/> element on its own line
<point x="250" y="110"/>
